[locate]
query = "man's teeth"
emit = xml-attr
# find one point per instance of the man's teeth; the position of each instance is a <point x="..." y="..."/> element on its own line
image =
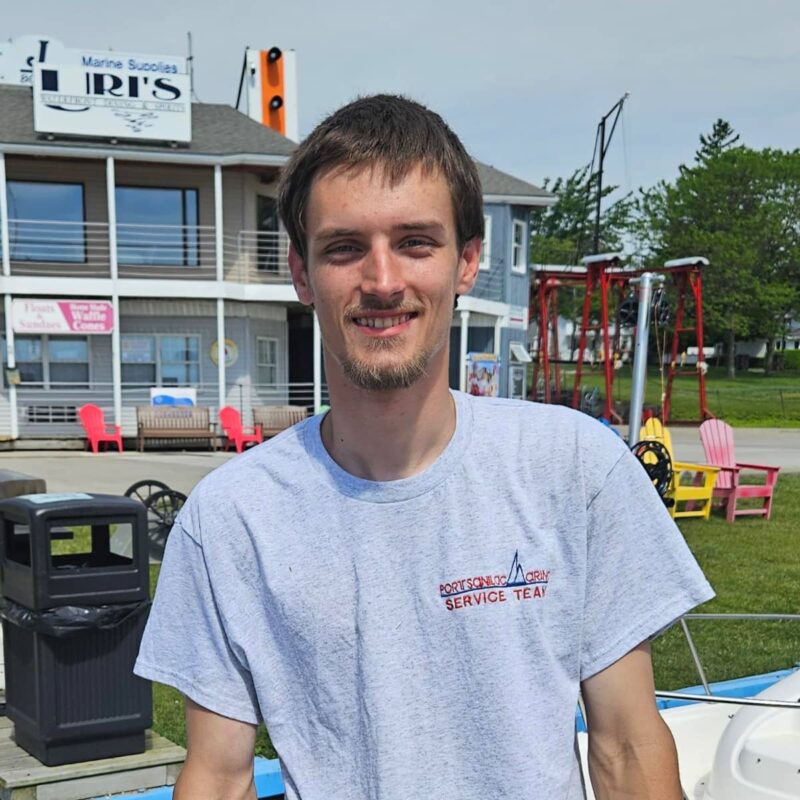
<point x="382" y="322"/>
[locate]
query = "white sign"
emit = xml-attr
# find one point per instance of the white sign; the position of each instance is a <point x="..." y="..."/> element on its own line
<point x="18" y="57"/>
<point x="114" y="103"/>
<point x="36" y="315"/>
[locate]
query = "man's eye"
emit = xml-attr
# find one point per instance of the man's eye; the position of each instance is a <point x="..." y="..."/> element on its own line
<point x="343" y="249"/>
<point x="417" y="242"/>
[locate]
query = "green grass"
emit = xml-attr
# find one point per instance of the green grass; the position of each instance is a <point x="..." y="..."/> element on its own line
<point x="754" y="567"/>
<point x="749" y="400"/>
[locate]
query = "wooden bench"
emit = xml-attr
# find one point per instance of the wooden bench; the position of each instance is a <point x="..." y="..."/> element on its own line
<point x="274" y="419"/>
<point x="174" y="422"/>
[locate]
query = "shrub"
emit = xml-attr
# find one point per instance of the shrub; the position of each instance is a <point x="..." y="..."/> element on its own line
<point x="791" y="359"/>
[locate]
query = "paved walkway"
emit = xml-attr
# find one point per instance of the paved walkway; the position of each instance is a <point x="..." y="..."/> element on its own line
<point x="113" y="473"/>
<point x="70" y="471"/>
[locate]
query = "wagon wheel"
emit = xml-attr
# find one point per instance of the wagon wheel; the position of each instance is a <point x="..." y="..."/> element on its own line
<point x="143" y="490"/>
<point x="654" y="457"/>
<point x="162" y="509"/>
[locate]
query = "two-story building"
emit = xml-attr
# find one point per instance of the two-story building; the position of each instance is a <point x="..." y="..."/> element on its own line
<point x="176" y="249"/>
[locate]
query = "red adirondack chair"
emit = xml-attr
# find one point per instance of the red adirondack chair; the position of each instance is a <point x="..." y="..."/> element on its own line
<point x="94" y="423"/>
<point x="717" y="438"/>
<point x="231" y="421"/>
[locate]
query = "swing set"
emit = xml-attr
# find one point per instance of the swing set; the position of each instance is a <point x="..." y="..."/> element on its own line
<point x="606" y="282"/>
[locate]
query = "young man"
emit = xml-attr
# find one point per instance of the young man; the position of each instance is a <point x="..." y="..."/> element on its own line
<point x="411" y="590"/>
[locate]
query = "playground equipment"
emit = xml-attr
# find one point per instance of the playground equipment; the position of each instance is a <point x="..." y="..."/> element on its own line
<point x="608" y="289"/>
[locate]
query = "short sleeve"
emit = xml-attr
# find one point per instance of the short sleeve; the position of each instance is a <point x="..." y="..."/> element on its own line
<point x="184" y="644"/>
<point x="640" y="574"/>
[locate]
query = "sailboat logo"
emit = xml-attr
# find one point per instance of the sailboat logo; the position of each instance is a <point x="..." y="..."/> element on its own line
<point x="516" y="575"/>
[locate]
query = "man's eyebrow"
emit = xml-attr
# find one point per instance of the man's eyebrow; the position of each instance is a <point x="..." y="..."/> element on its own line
<point x="422" y="225"/>
<point x="333" y="233"/>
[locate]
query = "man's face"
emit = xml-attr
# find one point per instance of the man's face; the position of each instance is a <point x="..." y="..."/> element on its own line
<point x="382" y="270"/>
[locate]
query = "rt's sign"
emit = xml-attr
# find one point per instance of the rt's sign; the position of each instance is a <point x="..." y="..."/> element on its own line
<point x="111" y="101"/>
<point x="18" y="57"/>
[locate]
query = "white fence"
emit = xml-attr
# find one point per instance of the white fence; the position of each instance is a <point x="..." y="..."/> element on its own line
<point x="54" y="412"/>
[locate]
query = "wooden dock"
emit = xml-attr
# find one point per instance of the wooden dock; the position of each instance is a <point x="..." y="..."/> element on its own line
<point x="23" y="777"/>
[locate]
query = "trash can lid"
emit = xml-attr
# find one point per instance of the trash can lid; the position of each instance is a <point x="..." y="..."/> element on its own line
<point x="71" y="503"/>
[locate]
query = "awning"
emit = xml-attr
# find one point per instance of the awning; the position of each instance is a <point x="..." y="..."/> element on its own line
<point x="519" y="353"/>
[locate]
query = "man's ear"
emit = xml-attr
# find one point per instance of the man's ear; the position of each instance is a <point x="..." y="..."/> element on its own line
<point x="468" y="266"/>
<point x="297" y="266"/>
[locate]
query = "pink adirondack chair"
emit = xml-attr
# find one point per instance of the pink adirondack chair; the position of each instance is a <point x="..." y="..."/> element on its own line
<point x="94" y="423"/>
<point x="236" y="435"/>
<point x="717" y="439"/>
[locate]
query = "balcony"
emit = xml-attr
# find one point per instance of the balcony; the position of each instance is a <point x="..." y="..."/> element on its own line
<point x="186" y="252"/>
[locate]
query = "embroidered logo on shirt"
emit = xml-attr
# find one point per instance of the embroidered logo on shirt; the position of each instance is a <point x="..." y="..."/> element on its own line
<point x="517" y="585"/>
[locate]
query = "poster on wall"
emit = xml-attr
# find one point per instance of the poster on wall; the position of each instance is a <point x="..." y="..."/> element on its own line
<point x="39" y="315"/>
<point x="482" y="371"/>
<point x="172" y="396"/>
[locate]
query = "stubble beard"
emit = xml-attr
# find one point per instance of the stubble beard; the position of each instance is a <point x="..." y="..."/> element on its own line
<point x="383" y="377"/>
<point x="386" y="377"/>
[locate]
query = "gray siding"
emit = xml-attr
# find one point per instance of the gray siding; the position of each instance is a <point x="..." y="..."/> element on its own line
<point x="518" y="283"/>
<point x="490" y="284"/>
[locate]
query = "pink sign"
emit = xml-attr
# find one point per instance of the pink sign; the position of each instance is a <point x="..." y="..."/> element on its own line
<point x="62" y="316"/>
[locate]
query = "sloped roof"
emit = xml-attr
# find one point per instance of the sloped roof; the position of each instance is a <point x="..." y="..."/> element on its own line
<point x="217" y="130"/>
<point x="507" y="188"/>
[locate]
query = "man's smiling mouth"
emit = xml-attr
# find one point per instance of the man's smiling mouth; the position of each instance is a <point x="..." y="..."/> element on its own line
<point x="384" y="322"/>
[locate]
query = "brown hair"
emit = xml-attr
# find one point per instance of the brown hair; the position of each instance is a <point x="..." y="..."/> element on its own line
<point x="391" y="131"/>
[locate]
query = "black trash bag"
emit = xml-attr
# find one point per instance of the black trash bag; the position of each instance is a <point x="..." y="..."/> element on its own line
<point x="70" y="620"/>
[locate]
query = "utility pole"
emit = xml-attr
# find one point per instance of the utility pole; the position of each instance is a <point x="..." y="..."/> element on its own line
<point x="616" y="110"/>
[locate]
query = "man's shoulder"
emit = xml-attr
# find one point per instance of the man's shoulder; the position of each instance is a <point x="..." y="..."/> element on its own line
<point x="550" y="438"/>
<point x="535" y="418"/>
<point x="257" y="474"/>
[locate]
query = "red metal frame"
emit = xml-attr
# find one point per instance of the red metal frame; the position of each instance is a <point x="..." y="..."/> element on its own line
<point x="687" y="277"/>
<point x="605" y="275"/>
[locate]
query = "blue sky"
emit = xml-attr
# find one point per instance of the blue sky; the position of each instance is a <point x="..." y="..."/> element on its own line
<point x="523" y="83"/>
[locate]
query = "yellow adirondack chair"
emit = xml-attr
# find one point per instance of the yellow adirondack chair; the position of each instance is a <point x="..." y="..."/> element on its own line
<point x="692" y="484"/>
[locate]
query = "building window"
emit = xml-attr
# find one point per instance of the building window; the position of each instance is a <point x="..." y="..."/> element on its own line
<point x="160" y="360"/>
<point x="486" y="246"/>
<point x="139" y="359"/>
<point x="52" y="362"/>
<point x="519" y="262"/>
<point x="157" y="227"/>
<point x="29" y="354"/>
<point x="180" y="360"/>
<point x="68" y="360"/>
<point x="266" y="361"/>
<point x="45" y="222"/>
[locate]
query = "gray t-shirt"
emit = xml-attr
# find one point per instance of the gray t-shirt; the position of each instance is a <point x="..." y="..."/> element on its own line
<point x="424" y="637"/>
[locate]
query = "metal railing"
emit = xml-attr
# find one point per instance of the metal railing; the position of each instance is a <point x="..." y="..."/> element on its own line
<point x="709" y="696"/>
<point x="53" y="410"/>
<point x="83" y="249"/>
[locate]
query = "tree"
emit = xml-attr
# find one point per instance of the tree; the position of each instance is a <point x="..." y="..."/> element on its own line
<point x="562" y="233"/>
<point x="739" y="208"/>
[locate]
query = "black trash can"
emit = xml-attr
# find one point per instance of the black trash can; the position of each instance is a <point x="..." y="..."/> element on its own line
<point x="75" y="582"/>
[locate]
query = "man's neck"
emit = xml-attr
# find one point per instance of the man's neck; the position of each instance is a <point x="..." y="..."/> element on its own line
<point x="385" y="436"/>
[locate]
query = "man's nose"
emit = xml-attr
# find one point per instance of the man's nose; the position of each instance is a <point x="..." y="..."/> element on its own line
<point x="383" y="274"/>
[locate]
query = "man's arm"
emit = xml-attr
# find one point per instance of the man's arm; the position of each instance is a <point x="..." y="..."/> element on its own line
<point x="219" y="760"/>
<point x="631" y="750"/>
